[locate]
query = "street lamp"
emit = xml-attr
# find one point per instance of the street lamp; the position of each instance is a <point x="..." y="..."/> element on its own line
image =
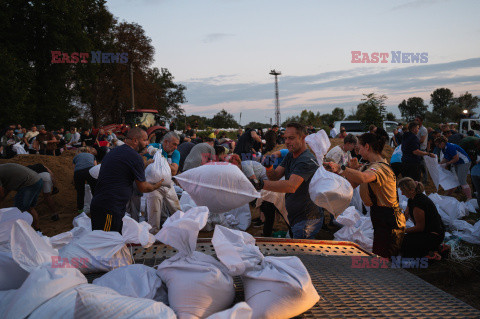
<point x="465" y="112"/>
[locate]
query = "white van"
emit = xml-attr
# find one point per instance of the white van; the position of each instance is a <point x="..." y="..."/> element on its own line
<point x="469" y="125"/>
<point x="357" y="128"/>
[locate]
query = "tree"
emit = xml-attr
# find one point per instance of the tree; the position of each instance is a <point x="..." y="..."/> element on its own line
<point x="441" y="99"/>
<point x="338" y="114"/>
<point x="255" y="125"/>
<point x="167" y="96"/>
<point x="223" y="119"/>
<point x="372" y="111"/>
<point x="390" y="117"/>
<point x="412" y="108"/>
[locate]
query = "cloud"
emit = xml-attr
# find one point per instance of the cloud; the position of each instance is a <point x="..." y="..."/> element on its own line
<point x="417" y="4"/>
<point x="214" y="37"/>
<point x="323" y="91"/>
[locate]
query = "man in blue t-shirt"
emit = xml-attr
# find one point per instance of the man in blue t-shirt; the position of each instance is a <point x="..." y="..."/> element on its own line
<point x="298" y="167"/>
<point x="120" y="168"/>
<point x="157" y="212"/>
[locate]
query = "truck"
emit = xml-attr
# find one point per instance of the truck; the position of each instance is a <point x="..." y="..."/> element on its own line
<point x="148" y="119"/>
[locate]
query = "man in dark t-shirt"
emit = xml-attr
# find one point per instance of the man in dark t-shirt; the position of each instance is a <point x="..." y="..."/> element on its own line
<point x="184" y="150"/>
<point x="298" y="167"/>
<point x="120" y="168"/>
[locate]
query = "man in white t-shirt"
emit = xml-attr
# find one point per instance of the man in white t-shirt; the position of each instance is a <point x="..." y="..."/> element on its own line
<point x="423" y="138"/>
<point x="333" y="131"/>
<point x="75" y="139"/>
<point x="340" y="154"/>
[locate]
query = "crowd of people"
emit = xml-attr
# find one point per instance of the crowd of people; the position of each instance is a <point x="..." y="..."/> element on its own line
<point x="121" y="180"/>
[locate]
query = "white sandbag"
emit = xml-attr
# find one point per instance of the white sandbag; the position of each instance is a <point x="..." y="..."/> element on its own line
<point x="135" y="280"/>
<point x="275" y="287"/>
<point x="99" y="305"/>
<point x="198" y="285"/>
<point x="240" y="311"/>
<point x="137" y="233"/>
<point x="213" y="220"/>
<point x="356" y="199"/>
<point x="440" y="176"/>
<point x="19" y="149"/>
<point x="454" y="208"/>
<point x="277" y="199"/>
<point x="219" y="186"/>
<point x="239" y="218"/>
<point x="473" y="204"/>
<point x="87" y="199"/>
<point x="327" y="190"/>
<point x="11" y="274"/>
<point x="83" y="220"/>
<point x="469" y="233"/>
<point x="159" y="170"/>
<point x="62" y="306"/>
<point x="8" y="216"/>
<point x="349" y="217"/>
<point x="102" y="251"/>
<point x="186" y="202"/>
<point x="95" y="171"/>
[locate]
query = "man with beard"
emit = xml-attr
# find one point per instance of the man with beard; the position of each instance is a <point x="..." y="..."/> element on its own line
<point x="120" y="168"/>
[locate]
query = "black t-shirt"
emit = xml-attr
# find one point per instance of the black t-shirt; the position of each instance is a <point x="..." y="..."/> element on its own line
<point x="410" y="143"/>
<point x="184" y="150"/>
<point x="120" y="168"/>
<point x="89" y="140"/>
<point x="299" y="205"/>
<point x="38" y="168"/>
<point x="245" y="144"/>
<point x="433" y="221"/>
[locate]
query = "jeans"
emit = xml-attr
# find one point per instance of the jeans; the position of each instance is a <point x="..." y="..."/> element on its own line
<point x="307" y="229"/>
<point x="80" y="177"/>
<point x="27" y="197"/>
<point x="476" y="184"/>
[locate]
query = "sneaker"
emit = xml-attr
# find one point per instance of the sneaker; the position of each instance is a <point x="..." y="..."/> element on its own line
<point x="55" y="217"/>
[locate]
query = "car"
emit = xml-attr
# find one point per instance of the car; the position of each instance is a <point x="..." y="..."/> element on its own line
<point x="357" y="128"/>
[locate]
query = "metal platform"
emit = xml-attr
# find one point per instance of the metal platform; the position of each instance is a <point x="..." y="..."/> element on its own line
<point x="345" y="292"/>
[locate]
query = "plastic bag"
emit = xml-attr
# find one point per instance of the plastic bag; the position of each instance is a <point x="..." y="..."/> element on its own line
<point x="327" y="190"/>
<point x="221" y="187"/>
<point x="159" y="170"/>
<point x="136" y="280"/>
<point x="198" y="285"/>
<point x="275" y="287"/>
<point x="101" y="305"/>
<point x="99" y="250"/>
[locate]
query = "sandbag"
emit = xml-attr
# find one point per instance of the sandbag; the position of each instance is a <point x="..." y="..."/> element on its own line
<point x="198" y="285"/>
<point x="83" y="220"/>
<point x="87" y="199"/>
<point x="135" y="280"/>
<point x="95" y="171"/>
<point x="19" y="149"/>
<point x="440" y="175"/>
<point x="277" y="199"/>
<point x="275" y="287"/>
<point x="327" y="190"/>
<point x="240" y="311"/>
<point x="356" y="228"/>
<point x="101" y="251"/>
<point x="8" y="216"/>
<point x="219" y="186"/>
<point x="11" y="274"/>
<point x="159" y="170"/>
<point x="349" y="217"/>
<point x="100" y="305"/>
<point x="137" y="233"/>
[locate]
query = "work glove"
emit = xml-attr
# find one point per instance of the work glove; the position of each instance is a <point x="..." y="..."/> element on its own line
<point x="258" y="184"/>
<point x="268" y="161"/>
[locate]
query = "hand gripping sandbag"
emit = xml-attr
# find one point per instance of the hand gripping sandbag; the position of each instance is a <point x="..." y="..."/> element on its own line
<point x="159" y="170"/>
<point x="219" y="186"/>
<point x="136" y="280"/>
<point x="275" y="287"/>
<point x="99" y="305"/>
<point x="99" y="251"/>
<point x="198" y="285"/>
<point x="327" y="190"/>
<point x="44" y="281"/>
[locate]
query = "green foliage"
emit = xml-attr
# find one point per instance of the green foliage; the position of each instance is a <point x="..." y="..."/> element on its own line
<point x="306" y="118"/>
<point x="390" y="117"/>
<point x="256" y="125"/>
<point x="372" y="111"/>
<point x="412" y="108"/>
<point x="223" y="119"/>
<point x="441" y="99"/>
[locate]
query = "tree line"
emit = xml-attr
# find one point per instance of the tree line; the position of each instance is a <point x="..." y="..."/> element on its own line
<point x="35" y="90"/>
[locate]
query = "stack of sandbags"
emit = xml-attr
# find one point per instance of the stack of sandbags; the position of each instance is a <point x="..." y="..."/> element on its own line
<point x="198" y="285"/>
<point x="275" y="287"/>
<point x="356" y="228"/>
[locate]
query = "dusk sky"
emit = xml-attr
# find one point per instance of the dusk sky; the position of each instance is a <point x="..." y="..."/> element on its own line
<point x="223" y="51"/>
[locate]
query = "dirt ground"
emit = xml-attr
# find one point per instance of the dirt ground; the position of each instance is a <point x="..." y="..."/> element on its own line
<point x="459" y="279"/>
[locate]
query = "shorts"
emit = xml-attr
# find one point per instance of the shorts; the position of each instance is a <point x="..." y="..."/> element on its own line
<point x="27" y="197"/>
<point x="106" y="221"/>
<point x="47" y="182"/>
<point x="462" y="171"/>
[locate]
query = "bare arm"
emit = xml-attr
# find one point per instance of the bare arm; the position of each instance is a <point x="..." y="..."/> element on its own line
<point x="256" y="137"/>
<point x="145" y="187"/>
<point x="354" y="176"/>
<point x="419" y="215"/>
<point x="452" y="161"/>
<point x="422" y="153"/>
<point x="275" y="174"/>
<point x="286" y="186"/>
<point x="174" y="168"/>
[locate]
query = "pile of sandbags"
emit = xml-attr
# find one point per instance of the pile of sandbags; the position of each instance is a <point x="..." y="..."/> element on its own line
<point x="451" y="209"/>
<point x="219" y="186"/>
<point x="356" y="228"/>
<point x="327" y="190"/>
<point x="274" y="287"/>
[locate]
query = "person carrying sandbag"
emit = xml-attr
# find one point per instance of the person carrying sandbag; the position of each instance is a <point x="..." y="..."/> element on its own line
<point x="120" y="168"/>
<point x="378" y="190"/>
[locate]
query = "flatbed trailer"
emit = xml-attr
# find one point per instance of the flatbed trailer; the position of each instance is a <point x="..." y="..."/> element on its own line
<point x="347" y="288"/>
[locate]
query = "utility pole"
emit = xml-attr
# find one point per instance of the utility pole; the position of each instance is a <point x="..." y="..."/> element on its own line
<point x="277" y="102"/>
<point x="131" y="87"/>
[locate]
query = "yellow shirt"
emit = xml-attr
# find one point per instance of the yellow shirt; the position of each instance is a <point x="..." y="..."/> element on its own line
<point x="384" y="187"/>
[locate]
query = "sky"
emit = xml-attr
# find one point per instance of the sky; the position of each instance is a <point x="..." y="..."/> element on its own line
<point x="223" y="51"/>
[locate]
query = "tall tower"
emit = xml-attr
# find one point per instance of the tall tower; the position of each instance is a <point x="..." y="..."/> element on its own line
<point x="277" y="102"/>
